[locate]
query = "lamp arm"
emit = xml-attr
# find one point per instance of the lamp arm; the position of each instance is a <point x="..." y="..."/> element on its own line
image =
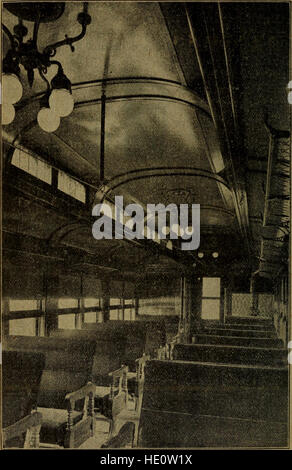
<point x="56" y="62"/>
<point x="41" y="74"/>
<point x="10" y="36"/>
<point x="51" y="49"/>
<point x="84" y="19"/>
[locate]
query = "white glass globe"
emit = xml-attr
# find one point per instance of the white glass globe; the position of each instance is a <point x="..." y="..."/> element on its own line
<point x="61" y="102"/>
<point x="48" y="120"/>
<point x="8" y="113"/>
<point x="175" y="229"/>
<point x="189" y="230"/>
<point x="179" y="231"/>
<point x="165" y="230"/>
<point x="11" y="88"/>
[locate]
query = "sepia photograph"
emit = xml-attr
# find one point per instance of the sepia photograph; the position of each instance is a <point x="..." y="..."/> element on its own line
<point x="145" y="226"/>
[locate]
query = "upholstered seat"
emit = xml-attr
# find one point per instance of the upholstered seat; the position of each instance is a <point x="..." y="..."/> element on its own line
<point x="54" y="422"/>
<point x="65" y="389"/>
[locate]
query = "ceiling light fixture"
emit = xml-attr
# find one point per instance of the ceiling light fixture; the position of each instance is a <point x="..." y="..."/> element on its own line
<point x="26" y="55"/>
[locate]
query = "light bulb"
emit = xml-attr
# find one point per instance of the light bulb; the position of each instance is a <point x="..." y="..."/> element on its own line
<point x="175" y="229"/>
<point x="189" y="230"/>
<point x="11" y="88"/>
<point x="61" y="102"/>
<point x="8" y="113"/>
<point x="215" y="254"/>
<point x="179" y="231"/>
<point x="165" y="230"/>
<point x="200" y="255"/>
<point x="48" y="120"/>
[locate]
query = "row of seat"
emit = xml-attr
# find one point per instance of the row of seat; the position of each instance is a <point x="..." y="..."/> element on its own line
<point x="224" y="390"/>
<point x="83" y="370"/>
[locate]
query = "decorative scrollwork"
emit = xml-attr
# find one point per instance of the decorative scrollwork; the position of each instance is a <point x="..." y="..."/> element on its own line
<point x="27" y="53"/>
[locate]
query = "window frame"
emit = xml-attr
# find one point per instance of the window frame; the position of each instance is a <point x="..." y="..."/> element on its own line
<point x="216" y="298"/>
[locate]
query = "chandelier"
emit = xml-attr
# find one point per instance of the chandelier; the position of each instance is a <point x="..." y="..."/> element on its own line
<point x="57" y="101"/>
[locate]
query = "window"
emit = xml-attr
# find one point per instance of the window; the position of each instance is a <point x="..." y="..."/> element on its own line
<point x="70" y="186"/>
<point x="19" y="305"/>
<point x="91" y="302"/>
<point x="211" y="298"/>
<point x="147" y="306"/>
<point x="32" y="165"/>
<point x="67" y="321"/>
<point x="23" y="327"/>
<point x="33" y="326"/>
<point x="91" y="317"/>
<point x="67" y="303"/>
<point x="115" y="313"/>
<point x="129" y="312"/>
<point x="211" y="287"/>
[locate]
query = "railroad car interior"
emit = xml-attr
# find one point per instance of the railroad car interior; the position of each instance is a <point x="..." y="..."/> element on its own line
<point x="136" y="342"/>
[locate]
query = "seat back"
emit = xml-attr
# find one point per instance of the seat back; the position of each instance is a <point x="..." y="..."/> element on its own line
<point x="250" y="321"/>
<point x="239" y="332"/>
<point x="139" y="337"/>
<point x="245" y="326"/>
<point x="109" y="350"/>
<point x="229" y="354"/>
<point x="238" y="341"/>
<point x="68" y="365"/>
<point x="171" y="323"/>
<point x="21" y="377"/>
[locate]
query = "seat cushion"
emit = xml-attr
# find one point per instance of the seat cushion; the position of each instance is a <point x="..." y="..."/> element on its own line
<point x="54" y="422"/>
<point x="106" y="405"/>
<point x="101" y="391"/>
<point x="102" y="401"/>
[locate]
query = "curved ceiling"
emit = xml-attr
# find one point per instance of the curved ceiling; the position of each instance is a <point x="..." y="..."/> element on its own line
<point x="149" y="123"/>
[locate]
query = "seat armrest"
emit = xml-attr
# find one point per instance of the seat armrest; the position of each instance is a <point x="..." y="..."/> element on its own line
<point x="87" y="392"/>
<point x="120" y="375"/>
<point x="21" y="426"/>
<point x="141" y="361"/>
<point x="119" y="372"/>
<point x="81" y="393"/>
